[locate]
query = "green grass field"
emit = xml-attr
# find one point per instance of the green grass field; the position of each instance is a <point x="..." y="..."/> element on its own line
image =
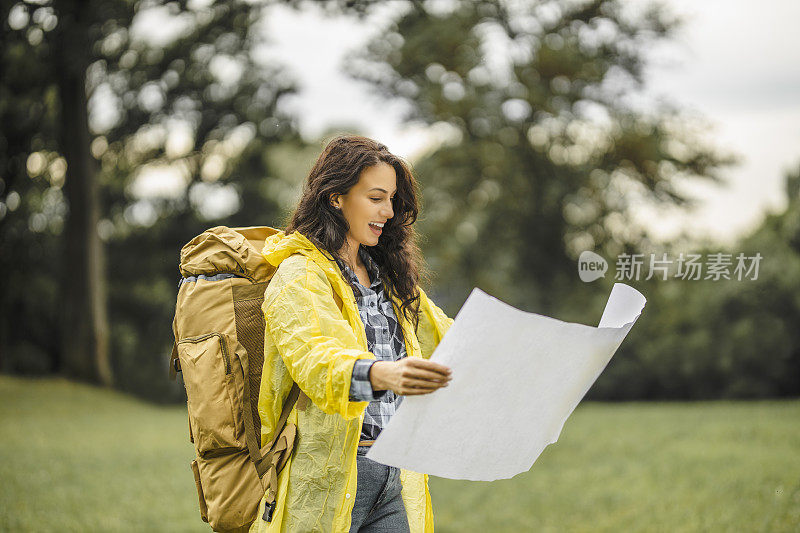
<point x="76" y="458"/>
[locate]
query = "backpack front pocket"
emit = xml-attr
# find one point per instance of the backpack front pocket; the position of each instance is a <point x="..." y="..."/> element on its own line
<point x="214" y="391"/>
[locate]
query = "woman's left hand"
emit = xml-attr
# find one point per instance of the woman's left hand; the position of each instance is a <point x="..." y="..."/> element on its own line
<point x="409" y="376"/>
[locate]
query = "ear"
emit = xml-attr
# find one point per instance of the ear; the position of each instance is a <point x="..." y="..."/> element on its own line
<point x="334" y="200"/>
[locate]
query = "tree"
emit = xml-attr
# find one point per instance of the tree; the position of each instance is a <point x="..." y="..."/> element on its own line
<point x="544" y="152"/>
<point x="44" y="112"/>
<point x="63" y="62"/>
<point x="721" y="338"/>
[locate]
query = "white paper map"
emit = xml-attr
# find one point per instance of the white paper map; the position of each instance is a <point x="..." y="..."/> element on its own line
<point x="517" y="377"/>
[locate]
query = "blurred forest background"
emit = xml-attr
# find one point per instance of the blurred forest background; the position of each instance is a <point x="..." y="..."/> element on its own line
<point x="114" y="152"/>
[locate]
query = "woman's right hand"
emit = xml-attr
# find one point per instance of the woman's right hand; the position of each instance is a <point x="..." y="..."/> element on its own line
<point x="409" y="376"/>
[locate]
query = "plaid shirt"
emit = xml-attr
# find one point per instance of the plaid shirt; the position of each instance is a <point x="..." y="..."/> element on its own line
<point x="384" y="339"/>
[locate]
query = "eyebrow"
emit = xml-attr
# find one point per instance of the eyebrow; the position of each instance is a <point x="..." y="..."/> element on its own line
<point x="379" y="189"/>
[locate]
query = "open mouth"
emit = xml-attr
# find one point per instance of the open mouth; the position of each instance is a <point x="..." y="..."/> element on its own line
<point x="377" y="230"/>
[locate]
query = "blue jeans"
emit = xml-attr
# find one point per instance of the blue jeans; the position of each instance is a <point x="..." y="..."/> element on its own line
<point x="379" y="506"/>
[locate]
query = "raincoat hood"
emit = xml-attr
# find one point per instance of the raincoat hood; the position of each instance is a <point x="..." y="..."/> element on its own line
<point x="279" y="246"/>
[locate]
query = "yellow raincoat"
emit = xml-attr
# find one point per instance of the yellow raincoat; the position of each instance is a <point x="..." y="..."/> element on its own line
<point x="309" y="340"/>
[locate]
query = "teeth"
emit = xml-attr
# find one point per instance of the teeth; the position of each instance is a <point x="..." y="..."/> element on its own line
<point x="376" y="224"/>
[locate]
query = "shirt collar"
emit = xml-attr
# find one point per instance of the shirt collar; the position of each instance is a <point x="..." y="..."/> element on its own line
<point x="369" y="263"/>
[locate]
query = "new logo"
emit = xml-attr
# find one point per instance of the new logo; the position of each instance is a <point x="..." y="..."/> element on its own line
<point x="591" y="266"/>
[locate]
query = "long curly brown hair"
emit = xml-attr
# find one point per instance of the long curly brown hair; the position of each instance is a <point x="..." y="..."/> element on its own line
<point x="337" y="169"/>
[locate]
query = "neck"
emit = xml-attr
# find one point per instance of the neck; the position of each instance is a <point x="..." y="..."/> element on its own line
<point x="349" y="253"/>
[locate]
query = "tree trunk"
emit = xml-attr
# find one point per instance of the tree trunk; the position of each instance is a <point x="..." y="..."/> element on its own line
<point x="85" y="343"/>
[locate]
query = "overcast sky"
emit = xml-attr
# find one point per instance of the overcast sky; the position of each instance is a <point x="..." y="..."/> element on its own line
<point x="737" y="63"/>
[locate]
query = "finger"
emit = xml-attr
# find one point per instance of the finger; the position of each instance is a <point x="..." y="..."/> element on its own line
<point x="418" y="391"/>
<point x="424" y="384"/>
<point x="427" y="375"/>
<point x="430" y="366"/>
<point x="414" y="384"/>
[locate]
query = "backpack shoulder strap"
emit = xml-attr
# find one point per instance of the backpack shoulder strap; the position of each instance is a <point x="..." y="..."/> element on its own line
<point x="296" y="396"/>
<point x="257" y="453"/>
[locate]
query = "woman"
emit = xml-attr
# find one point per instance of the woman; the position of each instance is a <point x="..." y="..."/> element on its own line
<point x="347" y="321"/>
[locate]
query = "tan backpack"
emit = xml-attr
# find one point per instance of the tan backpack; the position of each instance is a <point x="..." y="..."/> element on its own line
<point x="219" y="350"/>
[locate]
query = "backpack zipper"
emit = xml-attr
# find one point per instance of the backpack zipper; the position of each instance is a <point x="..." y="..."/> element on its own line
<point x="223" y="345"/>
<point x="219" y="452"/>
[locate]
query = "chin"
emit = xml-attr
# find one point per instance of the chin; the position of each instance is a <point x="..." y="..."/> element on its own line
<point x="371" y="239"/>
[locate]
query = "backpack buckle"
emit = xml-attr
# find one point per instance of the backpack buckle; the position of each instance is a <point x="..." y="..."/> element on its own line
<point x="269" y="508"/>
<point x="174" y="362"/>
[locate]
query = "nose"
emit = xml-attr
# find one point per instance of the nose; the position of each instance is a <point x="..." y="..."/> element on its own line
<point x="387" y="210"/>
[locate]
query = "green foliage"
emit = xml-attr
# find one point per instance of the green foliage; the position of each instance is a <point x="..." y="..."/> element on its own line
<point x="720" y="339"/>
<point x="75" y="458"/>
<point x="205" y="82"/>
<point x="544" y="151"/>
<point x="31" y="203"/>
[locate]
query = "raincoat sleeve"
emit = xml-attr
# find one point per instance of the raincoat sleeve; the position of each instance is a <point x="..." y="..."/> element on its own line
<point x="318" y="347"/>
<point x="433" y="324"/>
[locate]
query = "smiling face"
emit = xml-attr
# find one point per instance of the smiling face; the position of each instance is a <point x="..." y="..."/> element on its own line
<point x="368" y="205"/>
